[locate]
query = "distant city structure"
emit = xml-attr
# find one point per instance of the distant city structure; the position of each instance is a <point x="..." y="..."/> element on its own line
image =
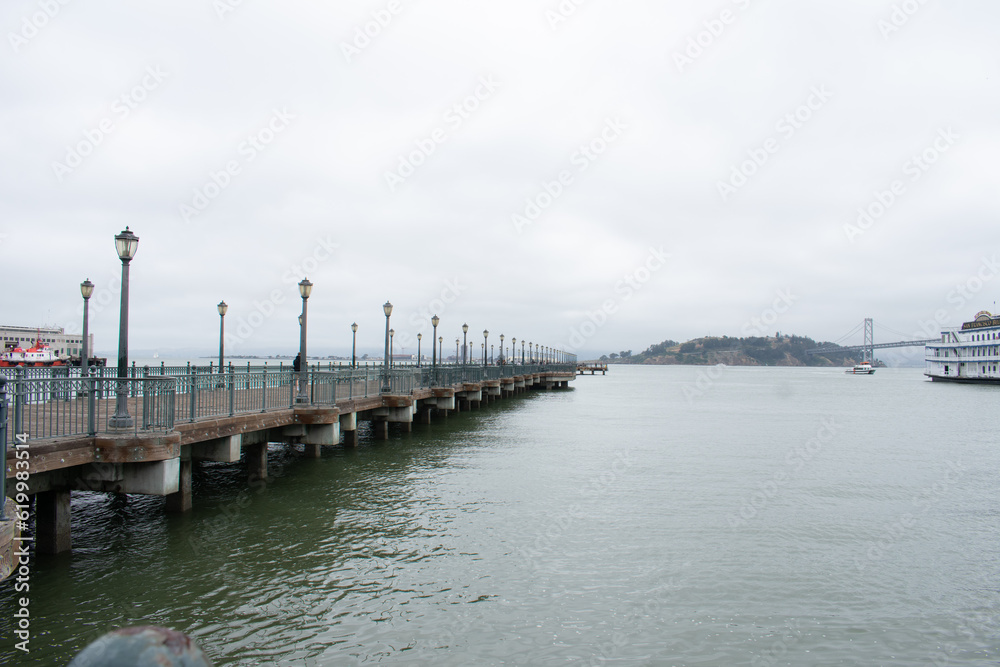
<point x="57" y="339"/>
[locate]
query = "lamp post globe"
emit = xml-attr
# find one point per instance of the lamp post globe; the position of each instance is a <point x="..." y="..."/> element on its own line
<point x="126" y="245"/>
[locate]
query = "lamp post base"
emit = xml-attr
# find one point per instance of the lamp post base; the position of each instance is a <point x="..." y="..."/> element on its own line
<point x="120" y="422"/>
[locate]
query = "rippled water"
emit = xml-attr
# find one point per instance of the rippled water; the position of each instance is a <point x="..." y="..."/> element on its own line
<point x="655" y="516"/>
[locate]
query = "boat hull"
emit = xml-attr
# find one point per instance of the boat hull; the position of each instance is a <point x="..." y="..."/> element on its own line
<point x="963" y="380"/>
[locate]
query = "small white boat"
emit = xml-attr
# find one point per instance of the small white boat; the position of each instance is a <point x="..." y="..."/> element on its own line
<point x="864" y="368"/>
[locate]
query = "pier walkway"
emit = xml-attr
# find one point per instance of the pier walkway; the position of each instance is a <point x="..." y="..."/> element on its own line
<point x="67" y="433"/>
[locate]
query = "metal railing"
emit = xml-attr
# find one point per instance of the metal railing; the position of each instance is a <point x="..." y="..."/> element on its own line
<point x="57" y="407"/>
<point x="65" y="405"/>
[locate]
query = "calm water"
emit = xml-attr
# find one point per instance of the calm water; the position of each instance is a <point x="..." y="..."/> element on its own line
<point x="655" y="516"/>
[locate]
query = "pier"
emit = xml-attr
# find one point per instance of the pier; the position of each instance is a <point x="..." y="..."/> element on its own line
<point x="65" y="433"/>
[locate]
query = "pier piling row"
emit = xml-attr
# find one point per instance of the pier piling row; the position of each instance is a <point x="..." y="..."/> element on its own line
<point x="221" y="418"/>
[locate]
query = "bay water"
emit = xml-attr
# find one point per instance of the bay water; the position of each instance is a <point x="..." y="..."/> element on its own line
<point x="652" y="516"/>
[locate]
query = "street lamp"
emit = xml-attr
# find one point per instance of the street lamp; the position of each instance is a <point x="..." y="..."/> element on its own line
<point x="222" y="330"/>
<point x="513" y="351"/>
<point x="537" y="359"/>
<point x="465" y="346"/>
<point x="501" y="348"/>
<point x="126" y="244"/>
<point x="305" y="289"/>
<point x="420" y="337"/>
<point x="522" y="351"/>
<point x="86" y="290"/>
<point x="486" y="337"/>
<point x="491" y="354"/>
<point x="387" y="309"/>
<point x="354" y="345"/>
<point x="392" y="332"/>
<point x="457" y="341"/>
<point x="434" y="322"/>
<point x="441" y="348"/>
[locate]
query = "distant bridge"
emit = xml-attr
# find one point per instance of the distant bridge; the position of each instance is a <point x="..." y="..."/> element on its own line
<point x="869" y="345"/>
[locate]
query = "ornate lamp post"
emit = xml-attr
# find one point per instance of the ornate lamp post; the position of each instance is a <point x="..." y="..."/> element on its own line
<point x="305" y="289"/>
<point x="354" y="345"/>
<point x="392" y="333"/>
<point x="501" y="348"/>
<point x="537" y="359"/>
<point x="486" y="337"/>
<point x="126" y="244"/>
<point x="457" y="341"/>
<point x="434" y="322"/>
<point x="86" y="290"/>
<point x="441" y="348"/>
<point x="465" y="345"/>
<point x="387" y="309"/>
<point x="522" y="351"/>
<point x="513" y="351"/>
<point x="222" y="332"/>
<point x="419" y="338"/>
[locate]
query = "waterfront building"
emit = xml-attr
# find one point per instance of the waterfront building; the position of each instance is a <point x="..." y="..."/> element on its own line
<point x="57" y="338"/>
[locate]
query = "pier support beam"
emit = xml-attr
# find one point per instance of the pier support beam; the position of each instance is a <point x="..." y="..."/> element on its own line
<point x="349" y="427"/>
<point x="223" y="450"/>
<point x="257" y="461"/>
<point x="52" y="524"/>
<point x="381" y="428"/>
<point x="425" y="415"/>
<point x="182" y="501"/>
<point x="318" y="435"/>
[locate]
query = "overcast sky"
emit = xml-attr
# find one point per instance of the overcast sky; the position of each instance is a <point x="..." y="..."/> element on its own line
<point x="591" y="175"/>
